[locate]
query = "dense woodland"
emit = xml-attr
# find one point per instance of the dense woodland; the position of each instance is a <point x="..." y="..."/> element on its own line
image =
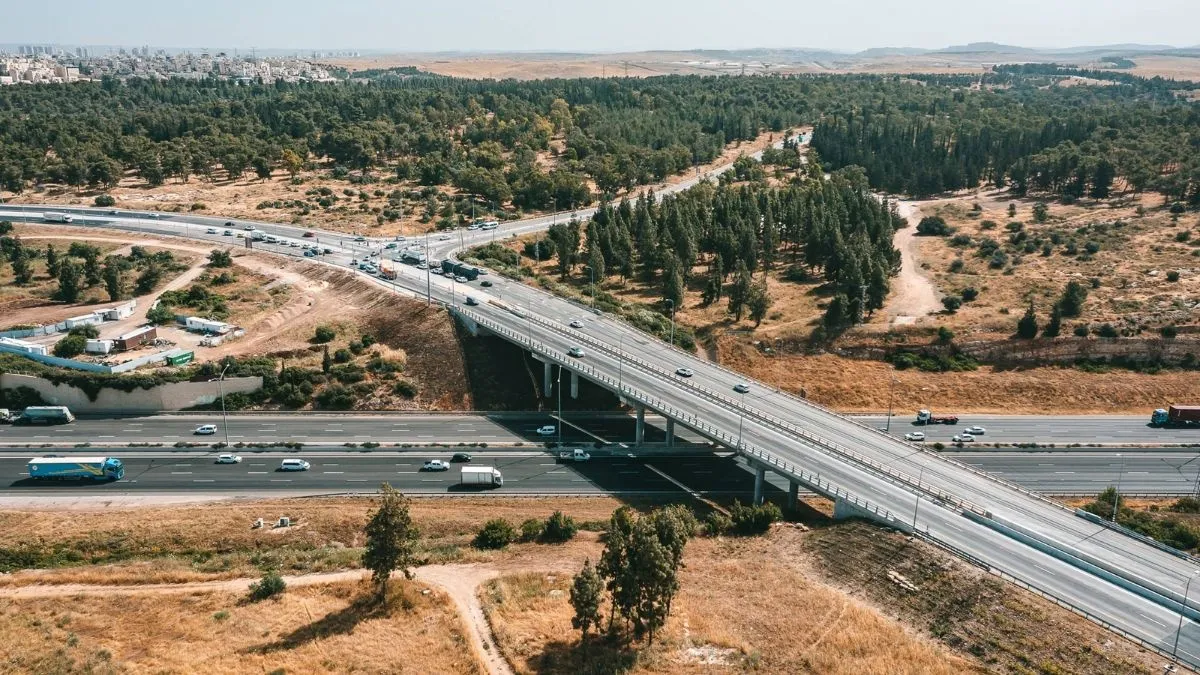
<point x="724" y="238"/>
<point x="1023" y="131"/>
<point x="915" y="134"/>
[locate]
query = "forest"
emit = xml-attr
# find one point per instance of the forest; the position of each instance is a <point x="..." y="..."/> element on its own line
<point x="724" y="238"/>
<point x="917" y="134"/>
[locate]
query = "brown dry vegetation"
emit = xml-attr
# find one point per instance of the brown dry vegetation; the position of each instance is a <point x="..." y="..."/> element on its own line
<point x="311" y="629"/>
<point x="215" y="541"/>
<point x="777" y="604"/>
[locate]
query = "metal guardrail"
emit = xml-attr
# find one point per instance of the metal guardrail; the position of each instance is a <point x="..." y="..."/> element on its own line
<point x="822" y="443"/>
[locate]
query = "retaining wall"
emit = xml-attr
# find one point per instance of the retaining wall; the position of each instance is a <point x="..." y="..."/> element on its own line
<point x="174" y="396"/>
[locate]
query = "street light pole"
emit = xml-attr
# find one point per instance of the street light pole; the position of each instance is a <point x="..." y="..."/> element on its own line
<point x="428" y="283"/>
<point x="672" y="320"/>
<point x="891" y="382"/>
<point x="741" y="418"/>
<point x="1117" y="496"/>
<point x="917" y="505"/>
<point x="221" y="391"/>
<point x="560" y="415"/>
<point x="1182" y="609"/>
<point x="620" y="362"/>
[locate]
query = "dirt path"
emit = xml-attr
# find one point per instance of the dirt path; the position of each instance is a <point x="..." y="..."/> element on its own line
<point x="460" y="582"/>
<point x="914" y="295"/>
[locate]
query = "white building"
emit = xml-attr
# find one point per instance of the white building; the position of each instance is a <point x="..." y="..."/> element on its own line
<point x="22" y="347"/>
<point x="199" y="325"/>
<point x="84" y="320"/>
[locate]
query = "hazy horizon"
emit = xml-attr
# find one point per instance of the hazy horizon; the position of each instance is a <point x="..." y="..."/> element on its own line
<point x="623" y="26"/>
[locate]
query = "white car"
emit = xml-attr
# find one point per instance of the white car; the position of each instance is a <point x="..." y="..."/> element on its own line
<point x="247" y="227"/>
<point x="547" y="430"/>
<point x="576" y="323"/>
<point x="294" y="465"/>
<point x="227" y="233"/>
<point x="741" y="388"/>
<point x="976" y="430"/>
<point x="444" y="237"/>
<point x="963" y="438"/>
<point x="461" y="280"/>
<point x="211" y="230"/>
<point x="435" y="465"/>
<point x="205" y="430"/>
<point x="915" y="436"/>
<point x="228" y="459"/>
<point x="684" y="372"/>
<point x="577" y="352"/>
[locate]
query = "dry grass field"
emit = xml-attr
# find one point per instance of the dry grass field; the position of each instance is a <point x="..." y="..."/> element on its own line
<point x="310" y="629"/>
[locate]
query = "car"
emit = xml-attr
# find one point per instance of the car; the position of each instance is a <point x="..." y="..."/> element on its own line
<point x="963" y="438"/>
<point x="576" y="352"/>
<point x="485" y="283"/>
<point x="400" y="237"/>
<point x="915" y="436"/>
<point x="684" y="372"/>
<point x="205" y="430"/>
<point x="444" y="237"/>
<point x="294" y="465"/>
<point x="741" y="388"/>
<point x="360" y="238"/>
<point x="327" y="251"/>
<point x="422" y="266"/>
<point x="228" y="459"/>
<point x="448" y="275"/>
<point x="247" y="227"/>
<point x="294" y="244"/>
<point x="576" y="323"/>
<point x="472" y="301"/>
<point x="482" y="271"/>
<point x="976" y="430"/>
<point x="547" y="430"/>
<point x="309" y="235"/>
<point x="390" y="245"/>
<point x="227" y="233"/>
<point x="114" y="212"/>
<point x="460" y="457"/>
<point x="152" y="215"/>
<point x="461" y="280"/>
<point x="240" y="235"/>
<point x="310" y="254"/>
<point x="211" y="230"/>
<point x="435" y="465"/>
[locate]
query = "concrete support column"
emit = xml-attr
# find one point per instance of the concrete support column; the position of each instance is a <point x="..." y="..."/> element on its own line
<point x="574" y="384"/>
<point x="670" y="433"/>
<point x="546" y="382"/>
<point x="793" y="495"/>
<point x="640" y="432"/>
<point x="760" y="477"/>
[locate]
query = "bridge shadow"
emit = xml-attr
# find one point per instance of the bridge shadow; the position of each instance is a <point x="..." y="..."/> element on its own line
<point x="580" y="430"/>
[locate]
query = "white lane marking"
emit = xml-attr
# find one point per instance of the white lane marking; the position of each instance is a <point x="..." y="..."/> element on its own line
<point x="256" y="472"/>
<point x="1044" y="570"/>
<point x="1064" y="473"/>
<point x="181" y="473"/>
<point x="281" y="480"/>
<point x="431" y="480"/>
<point x="412" y="472"/>
<point x="356" y="480"/>
<point x="1152" y="620"/>
<point x="335" y="472"/>
<point x="329" y="465"/>
<point x="556" y="472"/>
<point x="202" y="480"/>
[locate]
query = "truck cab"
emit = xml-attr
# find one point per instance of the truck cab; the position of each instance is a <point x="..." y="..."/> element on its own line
<point x="1159" y="417"/>
<point x="576" y="455"/>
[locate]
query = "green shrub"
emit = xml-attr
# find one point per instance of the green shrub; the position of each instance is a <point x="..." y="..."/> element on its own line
<point x="496" y="534"/>
<point x="717" y="523"/>
<point x="531" y="529"/>
<point x="105" y="200"/>
<point x="751" y="520"/>
<point x="1107" y="330"/>
<point x="404" y="388"/>
<point x="559" y="528"/>
<point x="934" y="226"/>
<point x="324" y="334"/>
<point x="269" y="586"/>
<point x="1173" y="276"/>
<point x="70" y="346"/>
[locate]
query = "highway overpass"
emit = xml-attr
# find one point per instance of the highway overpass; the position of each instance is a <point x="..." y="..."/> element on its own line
<point x="1115" y="579"/>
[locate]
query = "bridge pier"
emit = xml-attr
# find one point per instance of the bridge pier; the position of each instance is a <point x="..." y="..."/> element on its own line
<point x="574" y="384"/>
<point x="793" y="495"/>
<point x="670" y="433"/>
<point x="760" y="477"/>
<point x="546" y="381"/>
<point x="640" y="430"/>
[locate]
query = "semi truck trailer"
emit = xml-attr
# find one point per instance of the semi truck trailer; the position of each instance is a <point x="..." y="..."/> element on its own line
<point x="485" y="476"/>
<point x="57" y="218"/>
<point x="76" y="468"/>
<point x="45" y="414"/>
<point x="926" y="417"/>
<point x="1176" y="416"/>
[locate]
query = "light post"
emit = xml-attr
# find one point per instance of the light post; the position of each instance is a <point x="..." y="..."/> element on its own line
<point x="917" y="505"/>
<point x="220" y="379"/>
<point x="1182" y="609"/>
<point x="1117" y="496"/>
<point x="560" y="415"/>
<point x="672" y="302"/>
<point x="592" y="271"/>
<point x="891" y="382"/>
<point x="620" y="362"/>
<point x="428" y="283"/>
<point x="741" y="418"/>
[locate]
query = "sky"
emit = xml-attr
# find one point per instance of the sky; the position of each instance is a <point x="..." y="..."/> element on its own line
<point x="609" y="26"/>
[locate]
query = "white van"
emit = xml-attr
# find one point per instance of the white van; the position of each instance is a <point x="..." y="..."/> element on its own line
<point x="293" y="465"/>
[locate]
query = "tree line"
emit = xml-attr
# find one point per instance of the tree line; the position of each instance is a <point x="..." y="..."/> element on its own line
<point x="1017" y="132"/>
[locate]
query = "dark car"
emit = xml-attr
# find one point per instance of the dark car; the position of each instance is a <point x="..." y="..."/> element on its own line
<point x="460" y="457"/>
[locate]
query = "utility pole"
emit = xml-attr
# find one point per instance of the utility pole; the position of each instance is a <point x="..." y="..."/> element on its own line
<point x="917" y="505"/>
<point x="672" y="320"/>
<point x="428" y="283"/>
<point x="560" y="415"/>
<point x="891" y="382"/>
<point x="221" y="392"/>
<point x="1117" y="496"/>
<point x="1182" y="609"/>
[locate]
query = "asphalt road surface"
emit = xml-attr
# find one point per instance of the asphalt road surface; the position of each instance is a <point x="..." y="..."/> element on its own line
<point x="319" y="429"/>
<point x="1059" y="429"/>
<point x="581" y="427"/>
<point x="339" y="470"/>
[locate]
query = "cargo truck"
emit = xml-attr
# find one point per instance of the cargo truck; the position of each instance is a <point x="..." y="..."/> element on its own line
<point x="57" y="218"/>
<point x="576" y="455"/>
<point x="1176" y="416"/>
<point x="76" y="468"/>
<point x="926" y="417"/>
<point x="460" y="269"/>
<point x="45" y="414"/>
<point x="411" y="256"/>
<point x="484" y="476"/>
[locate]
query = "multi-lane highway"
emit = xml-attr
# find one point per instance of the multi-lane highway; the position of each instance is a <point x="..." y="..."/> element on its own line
<point x="335" y="469"/>
<point x="516" y="427"/>
<point x="814" y="445"/>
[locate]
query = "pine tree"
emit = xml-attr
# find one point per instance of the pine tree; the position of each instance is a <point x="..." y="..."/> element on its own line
<point x="739" y="293"/>
<point x="614" y="564"/>
<point x="391" y="539"/>
<point x="114" y="278"/>
<point x="68" y="281"/>
<point x="1054" y="327"/>
<point x="52" y="261"/>
<point x="326" y="362"/>
<point x="22" y="269"/>
<point x="587" y="592"/>
<point x="1027" y="327"/>
<point x="759" y="301"/>
<point x="673" y="288"/>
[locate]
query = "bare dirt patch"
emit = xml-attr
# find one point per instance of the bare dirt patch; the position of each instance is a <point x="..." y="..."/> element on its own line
<point x="308" y="629"/>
